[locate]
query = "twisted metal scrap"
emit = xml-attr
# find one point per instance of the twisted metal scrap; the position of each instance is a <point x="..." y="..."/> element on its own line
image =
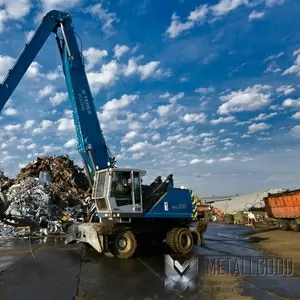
<point x="29" y="205"/>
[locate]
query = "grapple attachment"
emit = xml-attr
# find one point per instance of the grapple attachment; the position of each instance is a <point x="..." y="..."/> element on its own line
<point x="89" y="233"/>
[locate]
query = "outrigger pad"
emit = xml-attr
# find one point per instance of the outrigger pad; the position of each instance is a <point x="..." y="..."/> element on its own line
<point x="90" y="233"/>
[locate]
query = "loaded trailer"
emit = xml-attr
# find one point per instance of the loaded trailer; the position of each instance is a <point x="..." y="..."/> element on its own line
<point x="285" y="208"/>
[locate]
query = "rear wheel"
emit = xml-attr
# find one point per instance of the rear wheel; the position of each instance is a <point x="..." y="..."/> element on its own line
<point x="294" y="225"/>
<point x="123" y="244"/>
<point x="283" y="225"/>
<point x="183" y="241"/>
<point x="170" y="238"/>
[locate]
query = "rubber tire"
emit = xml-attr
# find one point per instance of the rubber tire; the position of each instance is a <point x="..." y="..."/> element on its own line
<point x="196" y="238"/>
<point x="294" y="225"/>
<point x="170" y="238"/>
<point x="131" y="246"/>
<point x="283" y="225"/>
<point x="178" y="239"/>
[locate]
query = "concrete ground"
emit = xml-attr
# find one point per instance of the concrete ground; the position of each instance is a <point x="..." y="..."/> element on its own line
<point x="280" y="244"/>
<point x="50" y="270"/>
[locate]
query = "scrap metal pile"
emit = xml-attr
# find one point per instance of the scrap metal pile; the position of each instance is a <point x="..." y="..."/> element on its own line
<point x="68" y="182"/>
<point x="50" y="202"/>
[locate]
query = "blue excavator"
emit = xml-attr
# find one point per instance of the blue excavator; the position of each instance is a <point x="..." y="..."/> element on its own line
<point x="123" y="212"/>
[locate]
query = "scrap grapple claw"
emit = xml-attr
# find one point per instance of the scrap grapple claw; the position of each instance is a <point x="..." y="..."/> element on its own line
<point x="88" y="233"/>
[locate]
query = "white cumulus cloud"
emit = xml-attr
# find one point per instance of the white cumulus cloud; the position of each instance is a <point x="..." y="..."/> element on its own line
<point x="295" y="68"/>
<point x="195" y="161"/>
<point x="28" y="124"/>
<point x="164" y="110"/>
<point x="226" y="6"/>
<point x="251" y="99"/>
<point x="44" y="125"/>
<point x="145" y="71"/>
<point x="58" y="98"/>
<point x="197" y="16"/>
<point x="285" y="89"/>
<point x="264" y="116"/>
<point x="129" y="136"/>
<point x="13" y="10"/>
<point x="65" y="125"/>
<point x="229" y="119"/>
<point x="255" y="15"/>
<point x="291" y="103"/>
<point x="104" y="15"/>
<point x="296" y="131"/>
<point x="226" y="159"/>
<point x="120" y="50"/>
<point x="70" y="143"/>
<point x="138" y="147"/>
<point x="296" y="116"/>
<point x="46" y="91"/>
<point x="93" y="57"/>
<point x="11" y="127"/>
<point x="274" y="2"/>
<point x="258" y="127"/>
<point x="197" y="118"/>
<point x="106" y="77"/>
<point x="6" y="62"/>
<point x="114" y="106"/>
<point x="10" y="111"/>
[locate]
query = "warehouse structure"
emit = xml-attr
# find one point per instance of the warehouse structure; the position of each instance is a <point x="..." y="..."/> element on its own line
<point x="231" y="204"/>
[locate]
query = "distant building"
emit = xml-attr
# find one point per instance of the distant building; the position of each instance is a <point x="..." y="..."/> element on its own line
<point x="231" y="204"/>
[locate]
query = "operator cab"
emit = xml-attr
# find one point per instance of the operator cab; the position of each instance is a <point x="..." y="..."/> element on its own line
<point x="117" y="192"/>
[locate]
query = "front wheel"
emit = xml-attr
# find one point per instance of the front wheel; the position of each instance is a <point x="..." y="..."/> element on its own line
<point x="294" y="225"/>
<point x="123" y="244"/>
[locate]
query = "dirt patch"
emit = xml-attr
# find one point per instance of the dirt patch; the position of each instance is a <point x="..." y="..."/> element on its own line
<point x="285" y="244"/>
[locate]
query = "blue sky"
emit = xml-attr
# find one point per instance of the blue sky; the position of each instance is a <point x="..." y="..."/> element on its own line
<point x="208" y="91"/>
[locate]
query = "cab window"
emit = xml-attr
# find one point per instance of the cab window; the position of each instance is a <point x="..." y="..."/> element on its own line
<point x="121" y="188"/>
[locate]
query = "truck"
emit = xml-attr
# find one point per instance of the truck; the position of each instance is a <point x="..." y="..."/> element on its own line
<point x="285" y="208"/>
<point x="123" y="212"/>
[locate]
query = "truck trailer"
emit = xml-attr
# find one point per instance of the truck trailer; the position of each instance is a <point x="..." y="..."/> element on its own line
<point x="285" y="208"/>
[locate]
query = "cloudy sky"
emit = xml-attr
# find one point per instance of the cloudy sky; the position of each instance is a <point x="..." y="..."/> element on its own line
<point x="208" y="91"/>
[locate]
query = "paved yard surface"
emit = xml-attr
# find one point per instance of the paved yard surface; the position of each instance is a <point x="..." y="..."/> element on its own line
<point x="47" y="270"/>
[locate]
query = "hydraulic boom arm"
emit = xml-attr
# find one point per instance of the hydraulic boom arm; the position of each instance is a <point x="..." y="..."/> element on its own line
<point x="91" y="142"/>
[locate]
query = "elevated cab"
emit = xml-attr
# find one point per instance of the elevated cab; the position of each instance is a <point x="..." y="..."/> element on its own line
<point x="117" y="192"/>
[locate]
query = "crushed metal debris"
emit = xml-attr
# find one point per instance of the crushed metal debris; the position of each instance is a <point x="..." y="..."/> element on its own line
<point x="68" y="181"/>
<point x="50" y="191"/>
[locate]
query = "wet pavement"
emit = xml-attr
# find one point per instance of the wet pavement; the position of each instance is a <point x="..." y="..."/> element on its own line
<point x="47" y="269"/>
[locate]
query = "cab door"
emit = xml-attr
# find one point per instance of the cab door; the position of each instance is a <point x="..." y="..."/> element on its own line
<point x="137" y="192"/>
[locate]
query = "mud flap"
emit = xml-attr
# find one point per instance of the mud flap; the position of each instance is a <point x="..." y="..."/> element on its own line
<point x="90" y="233"/>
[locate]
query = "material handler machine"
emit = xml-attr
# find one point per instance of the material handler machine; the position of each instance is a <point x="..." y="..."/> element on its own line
<point x="122" y="211"/>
